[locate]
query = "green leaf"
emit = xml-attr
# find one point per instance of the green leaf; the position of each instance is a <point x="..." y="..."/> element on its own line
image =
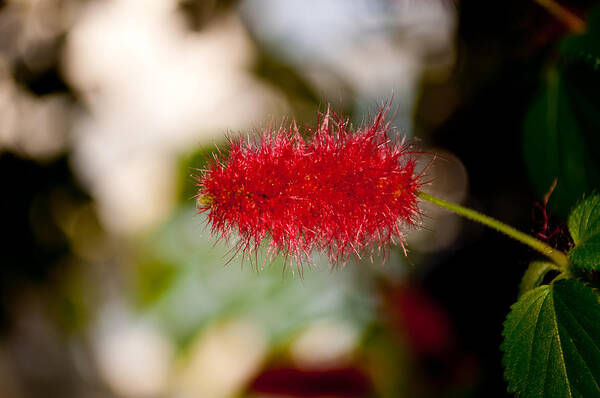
<point x="587" y="255"/>
<point x="535" y="274"/>
<point x="561" y="139"/>
<point x="585" y="48"/>
<point x="551" y="342"/>
<point x="152" y="278"/>
<point x="183" y="285"/>
<point x="584" y="226"/>
<point x="190" y="166"/>
<point x="584" y="220"/>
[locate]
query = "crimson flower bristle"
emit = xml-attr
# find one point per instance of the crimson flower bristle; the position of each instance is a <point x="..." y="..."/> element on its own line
<point x="343" y="191"/>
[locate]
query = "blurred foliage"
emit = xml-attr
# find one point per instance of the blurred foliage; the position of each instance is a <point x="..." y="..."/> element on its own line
<point x="561" y="139"/>
<point x="183" y="283"/>
<point x="585" y="47"/>
<point x="285" y="78"/>
<point x="152" y="280"/>
<point x="191" y="166"/>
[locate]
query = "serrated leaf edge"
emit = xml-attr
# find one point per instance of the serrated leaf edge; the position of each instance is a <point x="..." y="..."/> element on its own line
<point x="514" y="387"/>
<point x="578" y="240"/>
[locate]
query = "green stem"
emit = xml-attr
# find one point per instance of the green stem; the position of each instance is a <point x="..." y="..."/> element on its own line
<point x="556" y="256"/>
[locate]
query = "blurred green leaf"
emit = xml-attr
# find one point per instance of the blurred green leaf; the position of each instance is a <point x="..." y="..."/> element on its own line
<point x="551" y="341"/>
<point x="535" y="274"/>
<point x="190" y="168"/>
<point x="560" y="135"/>
<point x="584" y="226"/>
<point x="208" y="285"/>
<point x="584" y="48"/>
<point x="561" y="139"/>
<point x="153" y="279"/>
<point x="286" y="78"/>
<point x="71" y="300"/>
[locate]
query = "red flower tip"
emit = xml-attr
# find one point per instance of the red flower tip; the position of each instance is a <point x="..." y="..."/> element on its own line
<point x="343" y="191"/>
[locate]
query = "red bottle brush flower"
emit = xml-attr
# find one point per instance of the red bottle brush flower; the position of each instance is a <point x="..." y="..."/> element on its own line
<point x="343" y="191"/>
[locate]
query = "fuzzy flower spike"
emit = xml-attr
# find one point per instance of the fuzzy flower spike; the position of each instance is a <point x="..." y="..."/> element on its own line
<point x="343" y="191"/>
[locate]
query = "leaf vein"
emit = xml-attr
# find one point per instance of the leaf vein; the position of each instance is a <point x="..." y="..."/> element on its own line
<point x="594" y="343"/>
<point x="560" y="349"/>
